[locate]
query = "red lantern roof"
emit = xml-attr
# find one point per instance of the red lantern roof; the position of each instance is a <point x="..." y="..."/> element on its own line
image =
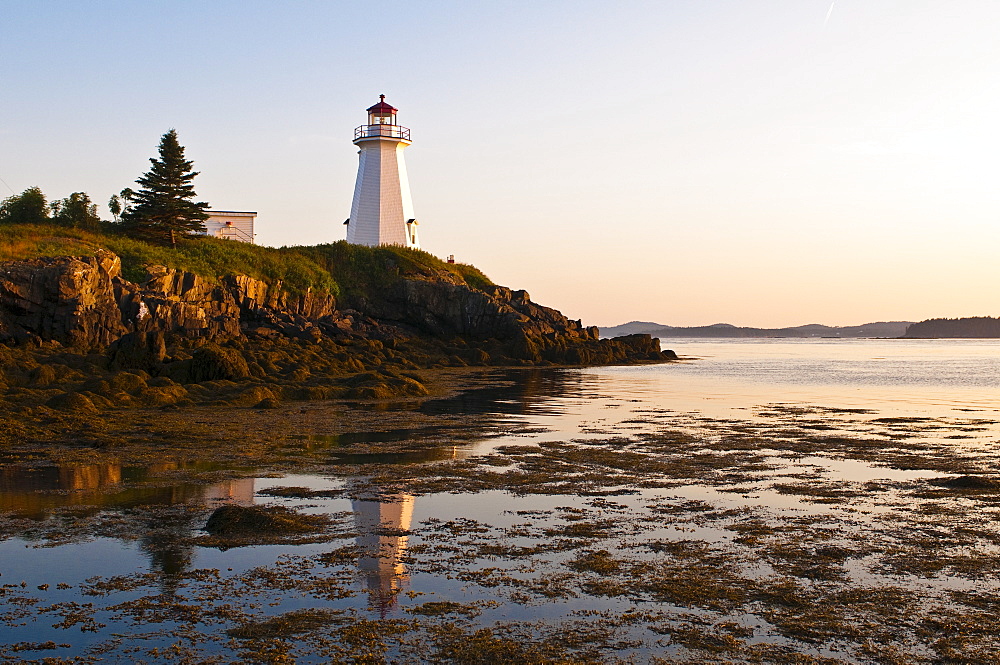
<point x="382" y="107"/>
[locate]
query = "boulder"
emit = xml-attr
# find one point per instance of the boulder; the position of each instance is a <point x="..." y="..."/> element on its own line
<point x="214" y="363"/>
<point x="72" y="401"/>
<point x="242" y="521"/>
<point x="139" y="350"/>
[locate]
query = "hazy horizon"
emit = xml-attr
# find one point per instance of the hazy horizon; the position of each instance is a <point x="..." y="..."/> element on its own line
<point x="763" y="163"/>
<point x="740" y="325"/>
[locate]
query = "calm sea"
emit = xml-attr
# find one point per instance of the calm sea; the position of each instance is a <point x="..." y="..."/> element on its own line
<point x="941" y="377"/>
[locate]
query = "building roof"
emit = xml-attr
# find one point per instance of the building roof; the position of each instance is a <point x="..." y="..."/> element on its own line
<point x="382" y="107"/>
<point x="230" y="212"/>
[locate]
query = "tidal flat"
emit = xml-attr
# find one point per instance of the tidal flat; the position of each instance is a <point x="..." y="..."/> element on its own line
<point x="530" y="516"/>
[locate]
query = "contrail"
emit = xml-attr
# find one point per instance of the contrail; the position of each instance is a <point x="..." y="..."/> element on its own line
<point x="828" y="13"/>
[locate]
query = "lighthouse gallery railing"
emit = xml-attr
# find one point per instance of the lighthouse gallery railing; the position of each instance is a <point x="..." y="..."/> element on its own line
<point x="388" y="131"/>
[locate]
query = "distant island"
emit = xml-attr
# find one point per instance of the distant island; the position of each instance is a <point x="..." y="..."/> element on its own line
<point x="877" y="329"/>
<point x="968" y="327"/>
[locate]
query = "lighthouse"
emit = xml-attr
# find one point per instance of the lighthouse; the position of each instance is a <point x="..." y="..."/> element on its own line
<point x="382" y="212"/>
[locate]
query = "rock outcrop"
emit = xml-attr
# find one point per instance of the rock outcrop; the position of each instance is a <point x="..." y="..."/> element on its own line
<point x="69" y="300"/>
<point x="86" y="303"/>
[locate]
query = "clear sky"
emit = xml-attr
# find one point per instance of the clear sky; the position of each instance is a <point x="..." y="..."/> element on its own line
<point x="758" y="162"/>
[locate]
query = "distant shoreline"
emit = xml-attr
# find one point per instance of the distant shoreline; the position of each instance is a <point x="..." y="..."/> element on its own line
<point x="978" y="327"/>
<point x="880" y="329"/>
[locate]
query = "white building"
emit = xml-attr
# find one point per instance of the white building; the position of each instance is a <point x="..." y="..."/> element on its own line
<point x="230" y="225"/>
<point x="382" y="211"/>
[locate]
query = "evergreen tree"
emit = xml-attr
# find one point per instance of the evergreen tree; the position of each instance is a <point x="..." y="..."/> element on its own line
<point x="163" y="210"/>
<point x="76" y="211"/>
<point x="28" y="207"/>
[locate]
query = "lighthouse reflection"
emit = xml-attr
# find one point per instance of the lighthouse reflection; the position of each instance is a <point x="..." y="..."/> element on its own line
<point x="383" y="528"/>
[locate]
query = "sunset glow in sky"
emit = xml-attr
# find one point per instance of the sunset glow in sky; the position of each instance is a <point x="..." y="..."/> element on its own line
<point x="758" y="162"/>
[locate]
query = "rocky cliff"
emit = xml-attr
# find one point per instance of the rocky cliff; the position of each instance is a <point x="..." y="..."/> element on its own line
<point x="85" y="303"/>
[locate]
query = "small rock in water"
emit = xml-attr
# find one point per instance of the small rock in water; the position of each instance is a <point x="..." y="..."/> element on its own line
<point x="258" y="520"/>
<point x="968" y="483"/>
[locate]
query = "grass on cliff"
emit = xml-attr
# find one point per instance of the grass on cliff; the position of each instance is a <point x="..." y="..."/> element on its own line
<point x="366" y="269"/>
<point x="332" y="268"/>
<point x="19" y="242"/>
<point x="210" y="258"/>
<point x="213" y="258"/>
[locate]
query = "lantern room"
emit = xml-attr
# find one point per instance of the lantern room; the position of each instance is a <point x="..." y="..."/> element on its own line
<point x="381" y="124"/>
<point x="382" y="113"/>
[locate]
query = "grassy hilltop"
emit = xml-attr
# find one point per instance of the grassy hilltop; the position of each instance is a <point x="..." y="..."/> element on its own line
<point x="335" y="268"/>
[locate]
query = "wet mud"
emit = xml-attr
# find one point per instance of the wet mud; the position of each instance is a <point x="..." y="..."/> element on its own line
<point x="466" y="528"/>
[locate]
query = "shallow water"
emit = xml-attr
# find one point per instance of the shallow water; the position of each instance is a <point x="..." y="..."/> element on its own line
<point x="909" y="393"/>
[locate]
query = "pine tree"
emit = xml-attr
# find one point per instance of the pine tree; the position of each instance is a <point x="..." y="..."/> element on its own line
<point x="163" y="210"/>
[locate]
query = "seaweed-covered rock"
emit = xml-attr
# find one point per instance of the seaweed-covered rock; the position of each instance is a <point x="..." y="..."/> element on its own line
<point x="244" y="521"/>
<point x="41" y="376"/>
<point x="72" y="401"/>
<point x="163" y="395"/>
<point x="969" y="483"/>
<point x="211" y="362"/>
<point x="384" y="384"/>
<point x="128" y="382"/>
<point x="253" y="395"/>
<point x="139" y="350"/>
<point x="268" y="403"/>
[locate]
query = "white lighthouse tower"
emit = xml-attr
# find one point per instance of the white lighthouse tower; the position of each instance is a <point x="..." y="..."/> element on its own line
<point x="382" y="212"/>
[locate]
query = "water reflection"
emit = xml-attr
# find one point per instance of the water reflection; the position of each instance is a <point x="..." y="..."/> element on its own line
<point x="311" y="441"/>
<point x="166" y="538"/>
<point x="383" y="527"/>
<point x="434" y="454"/>
<point x="523" y="392"/>
<point x="239" y="491"/>
<point x="34" y="491"/>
